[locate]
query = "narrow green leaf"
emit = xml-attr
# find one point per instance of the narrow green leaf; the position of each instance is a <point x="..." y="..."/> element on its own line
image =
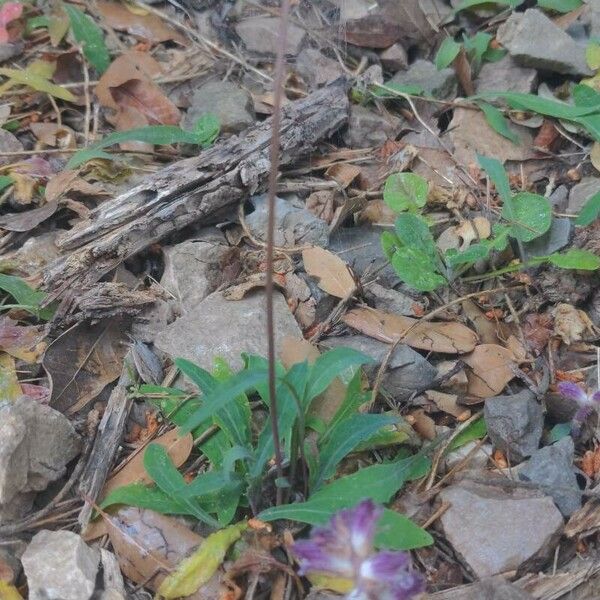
<point x="498" y="123"/>
<point x="561" y="6"/>
<point x="405" y="191"/>
<point x="396" y="531"/>
<point x="497" y="175"/>
<point x="576" y="258"/>
<point x="468" y="4"/>
<point x="90" y="36"/>
<point x="207" y="129"/>
<point x="200" y="377"/>
<point x="38" y="83"/>
<point x="584" y="95"/>
<point x="530" y="217"/>
<point x="474" y="431"/>
<point x="391" y="89"/>
<point x="146" y="496"/>
<point x="5" y="181"/>
<point x="354" y="398"/>
<point x="590" y="212"/>
<point x="25" y="296"/>
<point x="446" y="53"/>
<point x="343" y="439"/>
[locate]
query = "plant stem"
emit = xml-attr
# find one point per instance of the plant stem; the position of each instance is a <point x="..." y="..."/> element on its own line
<point x="274" y="158"/>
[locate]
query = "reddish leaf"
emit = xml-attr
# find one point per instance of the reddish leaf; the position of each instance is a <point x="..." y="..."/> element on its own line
<point x="9" y="12"/>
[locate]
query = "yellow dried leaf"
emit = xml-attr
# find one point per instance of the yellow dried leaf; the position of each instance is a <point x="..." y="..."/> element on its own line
<point x="595" y="156"/>
<point x="9" y="592"/>
<point x="36" y="76"/>
<point x="335" y="584"/>
<point x="9" y="384"/>
<point x="197" y="569"/>
<point x="333" y="274"/>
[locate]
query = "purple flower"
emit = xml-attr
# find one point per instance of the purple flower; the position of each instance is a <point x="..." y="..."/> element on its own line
<point x="586" y="403"/>
<point x="344" y="548"/>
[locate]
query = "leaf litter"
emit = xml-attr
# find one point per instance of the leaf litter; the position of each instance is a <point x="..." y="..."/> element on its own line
<point x="419" y="190"/>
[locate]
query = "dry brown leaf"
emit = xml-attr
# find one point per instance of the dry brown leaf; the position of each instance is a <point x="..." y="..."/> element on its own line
<point x="54" y="135"/>
<point x="295" y="350"/>
<point x="491" y="369"/>
<point x="333" y="274"/>
<point x="28" y="220"/>
<point x="148" y="26"/>
<point x="537" y="330"/>
<point x="178" y="448"/>
<point x="464" y="74"/>
<point x="422" y="423"/>
<point x="343" y="173"/>
<point x="547" y="137"/>
<point x="82" y="361"/>
<point x="25" y="342"/>
<point x="571" y="324"/>
<point x="448" y="338"/>
<point x="69" y="183"/>
<point x="486" y="329"/>
<point x="378" y="213"/>
<point x="448" y="403"/>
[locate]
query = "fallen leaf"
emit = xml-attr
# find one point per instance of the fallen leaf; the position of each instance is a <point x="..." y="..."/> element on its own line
<point x="82" y="361"/>
<point x="333" y="274"/>
<point x="470" y="231"/>
<point x="547" y="137"/>
<point x="69" y="183"/>
<point x="54" y="135"/>
<point x="9" y="12"/>
<point x="36" y="76"/>
<point x="571" y="324"/>
<point x="377" y="212"/>
<point x="595" y="155"/>
<point x="537" y="330"/>
<point x="486" y="329"/>
<point x="422" y="423"/>
<point x="25" y="342"/>
<point x="491" y="369"/>
<point x="198" y="569"/>
<point x="9" y="384"/>
<point x="448" y="403"/>
<point x="28" y="220"/>
<point x="178" y="448"/>
<point x="464" y="74"/>
<point x="147" y="26"/>
<point x="9" y="591"/>
<point x="39" y="393"/>
<point x="373" y="31"/>
<point x="343" y="173"/>
<point x="448" y="338"/>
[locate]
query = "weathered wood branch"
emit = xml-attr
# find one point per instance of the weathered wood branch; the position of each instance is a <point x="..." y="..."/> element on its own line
<point x="198" y="189"/>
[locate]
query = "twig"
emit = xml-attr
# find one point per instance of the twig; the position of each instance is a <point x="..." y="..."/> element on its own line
<point x="272" y="189"/>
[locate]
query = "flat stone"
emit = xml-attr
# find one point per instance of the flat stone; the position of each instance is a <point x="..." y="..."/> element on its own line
<point x="494" y="588"/>
<point x="556" y="238"/>
<point x="367" y="128"/>
<point x="495" y="531"/>
<point x="360" y="247"/>
<point x="423" y="73"/>
<point x="514" y="424"/>
<point x="407" y="369"/>
<point x="533" y="40"/>
<point x="478" y="460"/>
<point x="392" y="301"/>
<point x="259" y="35"/>
<point x="559" y="198"/>
<point x="552" y="467"/>
<point x="36" y="443"/>
<point x="506" y="75"/>
<point x="294" y="225"/>
<point x="581" y="193"/>
<point x="316" y="68"/>
<point x="60" y="566"/>
<point x="223" y="328"/>
<point x="394" y="58"/>
<point x="229" y="102"/>
<point x="194" y="269"/>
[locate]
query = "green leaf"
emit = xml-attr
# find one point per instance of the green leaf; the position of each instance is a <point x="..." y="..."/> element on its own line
<point x="5" y="181"/>
<point x="498" y="123"/>
<point x="37" y="82"/>
<point x="207" y="129"/>
<point x="146" y="496"/>
<point x="151" y="134"/>
<point x="576" y="258"/>
<point x="559" y="431"/>
<point x="396" y="531"/>
<point x="391" y="89"/>
<point x="495" y="171"/>
<point x="90" y="36"/>
<point x="161" y="469"/>
<point x="474" y="431"/>
<point x="330" y="365"/>
<point x="531" y="216"/>
<point x="378" y="482"/>
<point x="200" y="377"/>
<point x="36" y="23"/>
<point x="28" y="298"/>
<point x="446" y="53"/>
<point x="354" y="398"/>
<point x="389" y="243"/>
<point x="590" y="212"/>
<point x="477" y="48"/>
<point x="343" y="439"/>
<point x="416" y="269"/>
<point x="561" y="6"/>
<point x="413" y="231"/>
<point x="405" y="191"/>
<point x="584" y="95"/>
<point x="471" y="255"/>
<point x="468" y="4"/>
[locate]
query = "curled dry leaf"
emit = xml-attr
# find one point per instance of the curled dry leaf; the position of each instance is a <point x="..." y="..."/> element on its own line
<point x="147" y="26"/>
<point x="486" y="329"/>
<point x="28" y="220"/>
<point x="491" y="369"/>
<point x="54" y="135"/>
<point x="178" y="448"/>
<point x="343" y="173"/>
<point x="69" y="183"/>
<point x="25" y="342"/>
<point x="10" y="389"/>
<point x="571" y="324"/>
<point x="448" y="338"/>
<point x="537" y="330"/>
<point x="333" y="274"/>
<point x="448" y="403"/>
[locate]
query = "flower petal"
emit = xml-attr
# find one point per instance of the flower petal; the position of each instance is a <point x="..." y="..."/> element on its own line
<point x="596" y="397"/>
<point x="384" y="566"/>
<point x="360" y="522"/>
<point x="579" y="419"/>
<point x="313" y="556"/>
<point x="573" y="392"/>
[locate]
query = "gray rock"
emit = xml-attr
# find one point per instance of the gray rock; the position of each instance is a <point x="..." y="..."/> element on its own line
<point x="153" y="319"/>
<point x="259" y="35"/>
<point x="423" y="73"/>
<point x="494" y="588"/>
<point x="316" y="68"/>
<point x="533" y="40"/>
<point x="8" y="51"/>
<point x="360" y="247"/>
<point x="514" y="424"/>
<point x="478" y="460"/>
<point x="229" y="102"/>
<point x="495" y="531"/>
<point x="392" y="301"/>
<point x="582" y="192"/>
<point x="559" y="198"/>
<point x="294" y="226"/>
<point x="552" y="466"/>
<point x="193" y="270"/>
<point x="36" y="443"/>
<point x="407" y="370"/>
<point x="223" y="328"/>
<point x="394" y="58"/>
<point x="554" y="239"/>
<point x="367" y="128"/>
<point x="8" y="143"/>
<point x="506" y="76"/>
<point x="60" y="566"/>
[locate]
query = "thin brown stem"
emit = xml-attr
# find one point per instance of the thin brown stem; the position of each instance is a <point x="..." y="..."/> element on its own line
<point x="274" y="158"/>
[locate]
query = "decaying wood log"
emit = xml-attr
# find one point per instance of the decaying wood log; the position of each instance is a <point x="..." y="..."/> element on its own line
<point x="198" y="189"/>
